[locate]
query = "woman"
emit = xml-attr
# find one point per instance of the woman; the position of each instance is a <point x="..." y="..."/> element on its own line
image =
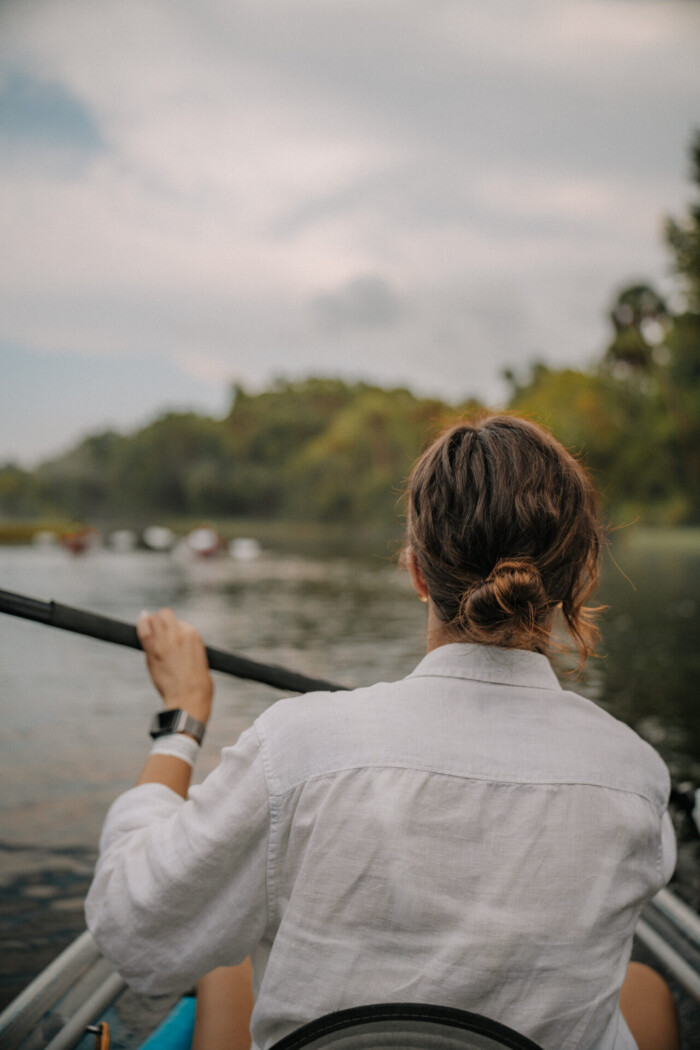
<point x="472" y="836"/>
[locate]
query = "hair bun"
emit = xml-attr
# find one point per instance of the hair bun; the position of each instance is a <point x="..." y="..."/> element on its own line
<point x="503" y="523"/>
<point x="510" y="601"/>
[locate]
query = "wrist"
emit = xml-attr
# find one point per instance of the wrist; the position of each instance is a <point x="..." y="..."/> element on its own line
<point x="197" y="707"/>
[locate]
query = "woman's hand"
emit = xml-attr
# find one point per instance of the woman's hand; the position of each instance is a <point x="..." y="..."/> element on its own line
<point x="177" y="662"/>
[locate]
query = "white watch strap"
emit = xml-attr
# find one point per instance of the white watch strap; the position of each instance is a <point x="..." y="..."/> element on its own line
<point x="177" y="745"/>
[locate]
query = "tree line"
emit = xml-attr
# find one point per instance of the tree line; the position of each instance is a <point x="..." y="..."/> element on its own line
<point x="328" y="450"/>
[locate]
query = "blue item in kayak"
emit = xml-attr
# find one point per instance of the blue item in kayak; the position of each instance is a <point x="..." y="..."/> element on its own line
<point x="175" y="1032"/>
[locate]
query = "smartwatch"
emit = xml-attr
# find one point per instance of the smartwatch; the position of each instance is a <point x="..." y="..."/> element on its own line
<point x="177" y="721"/>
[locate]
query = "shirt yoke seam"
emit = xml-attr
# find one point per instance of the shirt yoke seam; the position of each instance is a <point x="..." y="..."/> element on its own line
<point x="415" y="767"/>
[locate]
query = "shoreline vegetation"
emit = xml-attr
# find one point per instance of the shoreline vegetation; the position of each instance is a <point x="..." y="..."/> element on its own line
<point x="324" y="453"/>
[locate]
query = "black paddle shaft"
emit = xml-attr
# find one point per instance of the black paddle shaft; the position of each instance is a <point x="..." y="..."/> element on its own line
<point x="53" y="614"/>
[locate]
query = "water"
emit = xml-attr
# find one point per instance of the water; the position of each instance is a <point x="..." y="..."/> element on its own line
<point x="75" y="711"/>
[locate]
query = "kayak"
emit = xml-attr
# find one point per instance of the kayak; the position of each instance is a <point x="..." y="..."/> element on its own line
<point x="80" y="990"/>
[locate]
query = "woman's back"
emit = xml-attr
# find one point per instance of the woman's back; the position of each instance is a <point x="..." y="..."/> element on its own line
<point x="472" y="836"/>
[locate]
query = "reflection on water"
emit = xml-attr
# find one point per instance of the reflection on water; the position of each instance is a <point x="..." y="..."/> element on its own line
<point x="651" y="664"/>
<point x="41" y="908"/>
<point x="76" y="711"/>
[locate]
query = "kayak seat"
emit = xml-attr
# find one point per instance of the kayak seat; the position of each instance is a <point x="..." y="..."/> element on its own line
<point x="404" y="1026"/>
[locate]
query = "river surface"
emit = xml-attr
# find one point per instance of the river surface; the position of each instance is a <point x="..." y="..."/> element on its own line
<point x="75" y="712"/>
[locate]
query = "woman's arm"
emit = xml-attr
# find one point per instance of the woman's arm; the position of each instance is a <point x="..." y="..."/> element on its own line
<point x="177" y="663"/>
<point x="180" y="886"/>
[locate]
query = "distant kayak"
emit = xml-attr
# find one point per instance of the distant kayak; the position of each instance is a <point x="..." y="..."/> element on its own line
<point x="159" y="538"/>
<point x="204" y="542"/>
<point x="79" y="541"/>
<point x="244" y="548"/>
<point x="123" y="540"/>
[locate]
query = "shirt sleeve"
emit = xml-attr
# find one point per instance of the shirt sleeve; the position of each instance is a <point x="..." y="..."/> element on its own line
<point x="180" y="886"/>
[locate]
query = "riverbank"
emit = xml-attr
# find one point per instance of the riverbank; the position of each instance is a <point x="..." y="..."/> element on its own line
<point x="314" y="537"/>
<point x="293" y="537"/>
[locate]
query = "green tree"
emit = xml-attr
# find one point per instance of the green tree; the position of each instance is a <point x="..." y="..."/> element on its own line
<point x="639" y="317"/>
<point x="357" y="467"/>
<point x="683" y="238"/>
<point x="622" y="433"/>
<point x="178" y="464"/>
<point x="266" y="431"/>
<point x="19" y="494"/>
<point x="81" y="482"/>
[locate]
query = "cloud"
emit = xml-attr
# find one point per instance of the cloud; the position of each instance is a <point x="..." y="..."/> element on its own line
<point x="405" y="191"/>
<point x="363" y="302"/>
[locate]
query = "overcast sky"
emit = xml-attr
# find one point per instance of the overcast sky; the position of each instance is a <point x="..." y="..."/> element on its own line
<point x="416" y="192"/>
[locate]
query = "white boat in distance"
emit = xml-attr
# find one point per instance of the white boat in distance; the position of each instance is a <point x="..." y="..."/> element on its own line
<point x="159" y="538"/>
<point x="204" y="542"/>
<point x="244" y="548"/>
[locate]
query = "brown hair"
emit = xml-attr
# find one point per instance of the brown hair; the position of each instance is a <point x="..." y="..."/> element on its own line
<point x="503" y="523"/>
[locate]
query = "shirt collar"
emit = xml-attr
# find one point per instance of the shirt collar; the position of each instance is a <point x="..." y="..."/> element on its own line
<point x="488" y="663"/>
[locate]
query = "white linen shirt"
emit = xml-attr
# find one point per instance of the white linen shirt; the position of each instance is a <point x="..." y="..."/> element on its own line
<point x="472" y="836"/>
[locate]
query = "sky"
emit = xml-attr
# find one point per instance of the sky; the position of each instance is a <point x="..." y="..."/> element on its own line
<point x="411" y="192"/>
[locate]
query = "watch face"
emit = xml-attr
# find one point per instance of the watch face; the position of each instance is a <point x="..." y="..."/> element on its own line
<point x="164" y="721"/>
<point x="176" y="721"/>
